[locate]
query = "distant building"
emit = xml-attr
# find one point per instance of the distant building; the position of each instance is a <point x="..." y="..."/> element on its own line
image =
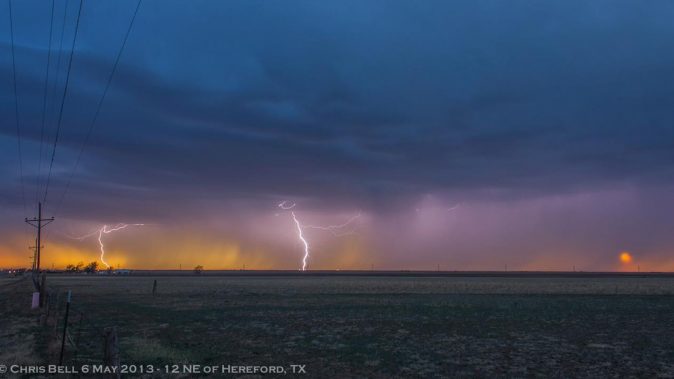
<point x="121" y="272"/>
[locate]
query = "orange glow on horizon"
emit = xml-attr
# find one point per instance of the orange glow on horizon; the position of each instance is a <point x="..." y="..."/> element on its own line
<point x="161" y="252"/>
<point x="625" y="257"/>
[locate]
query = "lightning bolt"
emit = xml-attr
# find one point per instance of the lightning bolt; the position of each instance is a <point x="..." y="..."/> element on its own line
<point x="334" y="229"/>
<point x="80" y="238"/>
<point x="285" y="205"/>
<point x="304" y="241"/>
<point x="104" y="230"/>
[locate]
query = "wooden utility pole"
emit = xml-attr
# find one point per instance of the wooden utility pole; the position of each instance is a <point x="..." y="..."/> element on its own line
<point x="38" y="223"/>
<point x="34" y="258"/>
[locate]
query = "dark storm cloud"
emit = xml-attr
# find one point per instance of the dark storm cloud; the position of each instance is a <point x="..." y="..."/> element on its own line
<point x="354" y="103"/>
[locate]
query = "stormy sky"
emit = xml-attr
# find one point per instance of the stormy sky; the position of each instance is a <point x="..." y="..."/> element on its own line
<point x="465" y="134"/>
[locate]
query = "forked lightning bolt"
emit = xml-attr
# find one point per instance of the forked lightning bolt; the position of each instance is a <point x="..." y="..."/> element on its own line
<point x="285" y="205"/>
<point x="336" y="230"/>
<point x="105" y="230"/>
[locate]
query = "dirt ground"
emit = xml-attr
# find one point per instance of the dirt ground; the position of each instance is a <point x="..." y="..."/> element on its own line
<point x="342" y="327"/>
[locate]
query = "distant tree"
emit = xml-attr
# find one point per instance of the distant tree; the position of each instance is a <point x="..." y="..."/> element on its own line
<point x="75" y="268"/>
<point x="91" y="268"/>
<point x="198" y="269"/>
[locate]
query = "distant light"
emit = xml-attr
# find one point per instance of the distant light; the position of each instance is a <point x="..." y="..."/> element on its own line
<point x="625" y="257"/>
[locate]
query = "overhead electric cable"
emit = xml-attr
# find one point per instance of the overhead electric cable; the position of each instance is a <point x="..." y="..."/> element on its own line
<point x="44" y="103"/>
<point x="16" y="108"/>
<point x="52" y="101"/>
<point x="100" y="103"/>
<point x="65" y="93"/>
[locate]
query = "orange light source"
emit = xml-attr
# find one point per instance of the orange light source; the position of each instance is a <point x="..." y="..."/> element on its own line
<point x="625" y="257"/>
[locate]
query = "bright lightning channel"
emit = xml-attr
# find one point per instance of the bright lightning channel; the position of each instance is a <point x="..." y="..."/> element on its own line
<point x="286" y="205"/>
<point x="104" y="230"/>
<point x="334" y="229"/>
<point x="304" y="241"/>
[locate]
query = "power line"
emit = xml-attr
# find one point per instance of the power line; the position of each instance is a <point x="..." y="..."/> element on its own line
<point x="52" y="100"/>
<point x="58" y="61"/>
<point x="16" y="109"/>
<point x="41" y="223"/>
<point x="44" y="102"/>
<point x="65" y="92"/>
<point x="100" y="103"/>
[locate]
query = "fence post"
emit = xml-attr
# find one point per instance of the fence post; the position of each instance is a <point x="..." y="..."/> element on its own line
<point x="43" y="289"/>
<point x="79" y="331"/>
<point x="57" y="312"/>
<point x="111" y="349"/>
<point x="154" y="288"/>
<point x="65" y="329"/>
<point x="44" y="319"/>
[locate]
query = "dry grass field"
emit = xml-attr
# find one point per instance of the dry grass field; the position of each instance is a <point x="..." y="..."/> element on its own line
<point x="376" y="327"/>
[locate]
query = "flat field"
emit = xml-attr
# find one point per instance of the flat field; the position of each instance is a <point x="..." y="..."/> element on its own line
<point x="358" y="326"/>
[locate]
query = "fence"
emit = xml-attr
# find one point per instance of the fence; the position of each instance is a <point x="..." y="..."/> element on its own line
<point x="72" y="338"/>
